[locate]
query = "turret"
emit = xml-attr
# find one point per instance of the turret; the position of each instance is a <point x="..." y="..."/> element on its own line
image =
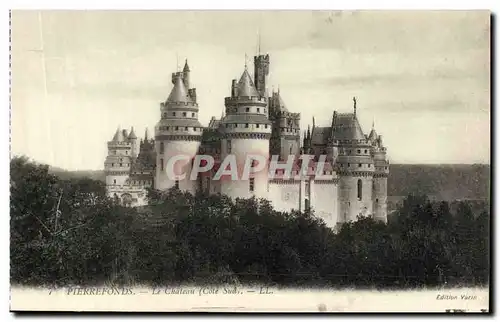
<point x="355" y="167"/>
<point x="246" y="131"/>
<point x="118" y="161"/>
<point x="186" y="71"/>
<point x="178" y="133"/>
<point x="285" y="139"/>
<point x="381" y="165"/>
<point x="133" y="141"/>
<point x="261" y="71"/>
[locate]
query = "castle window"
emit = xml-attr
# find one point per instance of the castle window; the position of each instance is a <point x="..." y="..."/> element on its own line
<point x="168" y="127"/>
<point x="360" y="189"/>
<point x="184" y="114"/>
<point x="247" y="109"/>
<point x="161" y="164"/>
<point x="360" y="165"/>
<point x="386" y="168"/>
<point x="176" y="184"/>
<point x="173" y="113"/>
<point x="376" y="200"/>
<point x="176" y="128"/>
<point x="246" y="125"/>
<point x="348" y="165"/>
<point x="112" y="164"/>
<point x="162" y="147"/>
<point x="121" y="164"/>
<point x="257" y="125"/>
<point x="165" y="115"/>
<point x="265" y="110"/>
<point x="126" y="151"/>
<point x="366" y="151"/>
<point x="114" y="181"/>
<point x="227" y="125"/>
<point x="369" y="165"/>
<point x="258" y="110"/>
<point x="252" y="184"/>
<point x="359" y="151"/>
<point x="192" y="115"/>
<point x="186" y="128"/>
<point x="254" y="163"/>
<point x="265" y="126"/>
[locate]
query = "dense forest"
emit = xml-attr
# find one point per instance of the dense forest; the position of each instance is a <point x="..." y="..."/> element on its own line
<point x="66" y="231"/>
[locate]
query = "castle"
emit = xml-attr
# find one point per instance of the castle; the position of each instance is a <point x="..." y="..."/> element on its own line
<point x="354" y="178"/>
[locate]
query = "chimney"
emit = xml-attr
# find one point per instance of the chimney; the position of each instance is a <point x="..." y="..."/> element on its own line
<point x="234" y="88"/>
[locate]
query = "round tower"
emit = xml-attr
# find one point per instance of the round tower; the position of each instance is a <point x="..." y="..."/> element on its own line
<point x="132" y="137"/>
<point x="355" y="168"/>
<point x="117" y="164"/>
<point x="177" y="137"/>
<point x="379" y="198"/>
<point x="246" y="132"/>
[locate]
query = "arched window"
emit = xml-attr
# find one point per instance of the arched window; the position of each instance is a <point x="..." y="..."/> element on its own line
<point x="162" y="147"/>
<point x="360" y="189"/>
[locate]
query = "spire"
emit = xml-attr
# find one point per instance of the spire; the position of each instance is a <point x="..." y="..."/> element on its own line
<point x="246" y="61"/>
<point x="186" y="67"/>
<point x="259" y="40"/>
<point x="246" y="86"/>
<point x="179" y="92"/>
<point x="132" y="135"/>
<point x="373" y="134"/>
<point x="354" y="101"/>
<point x="146" y="134"/>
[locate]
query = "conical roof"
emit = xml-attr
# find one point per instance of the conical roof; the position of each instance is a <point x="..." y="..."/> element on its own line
<point x="347" y="127"/>
<point x="246" y="86"/>
<point x="373" y="135"/>
<point x="179" y="92"/>
<point x="186" y="67"/>
<point x="132" y="134"/>
<point x="118" y="137"/>
<point x="281" y="103"/>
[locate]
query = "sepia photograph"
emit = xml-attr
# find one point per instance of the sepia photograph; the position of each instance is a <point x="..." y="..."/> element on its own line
<point x="250" y="161"/>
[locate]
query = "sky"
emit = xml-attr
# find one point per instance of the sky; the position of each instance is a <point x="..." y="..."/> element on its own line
<point x="422" y="77"/>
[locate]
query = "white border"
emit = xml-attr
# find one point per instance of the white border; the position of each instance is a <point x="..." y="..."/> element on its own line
<point x="151" y="5"/>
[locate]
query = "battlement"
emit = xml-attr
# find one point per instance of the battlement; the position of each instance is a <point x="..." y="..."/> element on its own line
<point x="123" y="144"/>
<point x="256" y="100"/>
<point x="354" y="142"/>
<point x="172" y="104"/>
